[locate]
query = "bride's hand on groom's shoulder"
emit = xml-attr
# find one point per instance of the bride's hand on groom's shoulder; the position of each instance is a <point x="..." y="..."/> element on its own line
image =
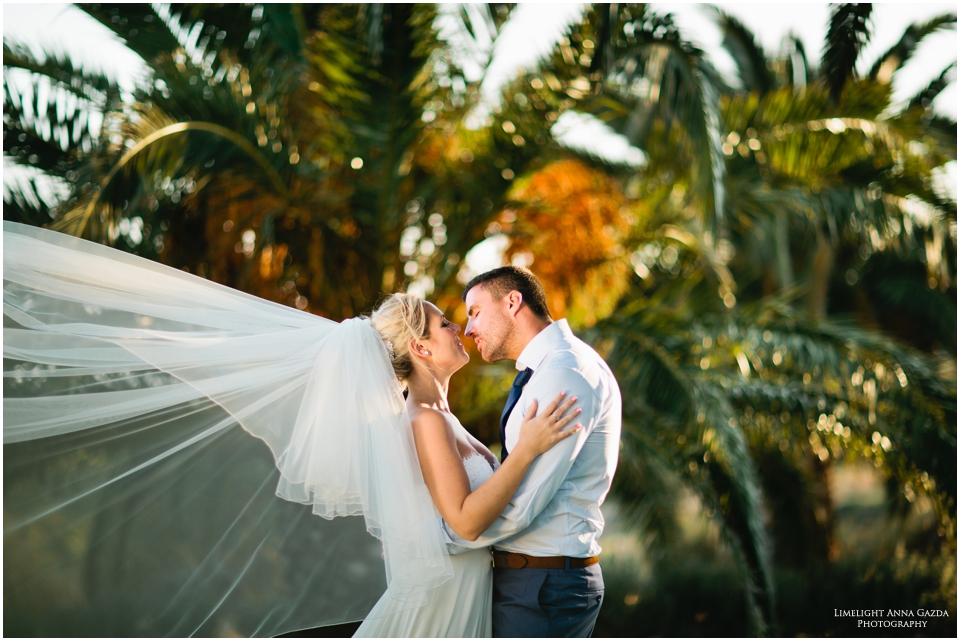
<point x="542" y="429"/>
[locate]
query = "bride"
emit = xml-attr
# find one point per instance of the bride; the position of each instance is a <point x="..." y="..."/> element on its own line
<point x="136" y="503"/>
<point x="468" y="485"/>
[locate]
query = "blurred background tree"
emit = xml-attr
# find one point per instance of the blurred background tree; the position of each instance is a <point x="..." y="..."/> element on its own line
<point x="775" y="286"/>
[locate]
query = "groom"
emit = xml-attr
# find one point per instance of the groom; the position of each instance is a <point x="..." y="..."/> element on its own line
<point x="547" y="580"/>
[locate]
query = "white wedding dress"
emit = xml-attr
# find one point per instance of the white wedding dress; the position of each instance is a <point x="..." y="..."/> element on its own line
<point x="461" y="607"/>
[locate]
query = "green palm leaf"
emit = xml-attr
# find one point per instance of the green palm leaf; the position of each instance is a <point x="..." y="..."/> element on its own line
<point x="93" y="87"/>
<point x="55" y="112"/>
<point x="926" y="95"/>
<point x="747" y="54"/>
<point x="671" y="393"/>
<point x="897" y="55"/>
<point x="140" y="27"/>
<point x="25" y="204"/>
<point x="846" y="36"/>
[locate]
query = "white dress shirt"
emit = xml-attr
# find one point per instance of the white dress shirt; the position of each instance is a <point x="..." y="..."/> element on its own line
<point x="556" y="510"/>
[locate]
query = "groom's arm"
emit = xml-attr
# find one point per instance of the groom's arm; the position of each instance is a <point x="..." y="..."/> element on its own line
<point x="548" y="472"/>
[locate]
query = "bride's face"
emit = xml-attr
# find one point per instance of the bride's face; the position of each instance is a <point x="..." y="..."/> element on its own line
<point x="444" y="346"/>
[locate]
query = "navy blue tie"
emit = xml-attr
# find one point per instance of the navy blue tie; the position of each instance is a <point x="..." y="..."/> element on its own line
<point x="515" y="391"/>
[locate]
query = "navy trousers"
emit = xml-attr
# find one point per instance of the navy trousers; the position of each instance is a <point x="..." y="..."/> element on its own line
<point x="546" y="603"/>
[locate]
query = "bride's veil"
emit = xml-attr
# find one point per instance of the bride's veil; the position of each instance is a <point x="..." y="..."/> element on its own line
<point x="169" y="443"/>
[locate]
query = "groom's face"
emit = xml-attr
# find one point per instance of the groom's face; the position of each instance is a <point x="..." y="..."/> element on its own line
<point x="487" y="324"/>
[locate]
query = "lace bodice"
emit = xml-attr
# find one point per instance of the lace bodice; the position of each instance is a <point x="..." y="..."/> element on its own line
<point x="478" y="470"/>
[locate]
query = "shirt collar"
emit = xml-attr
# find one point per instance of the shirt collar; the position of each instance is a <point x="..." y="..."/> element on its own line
<point x="542" y="344"/>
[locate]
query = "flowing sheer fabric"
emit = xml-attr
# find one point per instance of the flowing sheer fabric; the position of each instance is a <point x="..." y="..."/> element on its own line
<point x="136" y="500"/>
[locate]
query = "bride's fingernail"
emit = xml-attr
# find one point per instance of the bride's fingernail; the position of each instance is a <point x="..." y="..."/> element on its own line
<point x="579" y="409"/>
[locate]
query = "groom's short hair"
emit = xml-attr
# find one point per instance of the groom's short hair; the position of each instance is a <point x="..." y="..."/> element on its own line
<point x="503" y="280"/>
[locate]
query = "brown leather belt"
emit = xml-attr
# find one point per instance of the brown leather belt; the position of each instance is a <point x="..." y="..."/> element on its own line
<point x="515" y="561"/>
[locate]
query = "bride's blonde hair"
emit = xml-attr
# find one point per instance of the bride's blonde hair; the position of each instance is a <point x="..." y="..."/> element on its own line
<point x="399" y="318"/>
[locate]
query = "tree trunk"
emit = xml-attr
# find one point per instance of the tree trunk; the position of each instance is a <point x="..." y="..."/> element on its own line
<point x="824" y="258"/>
<point x="781" y="241"/>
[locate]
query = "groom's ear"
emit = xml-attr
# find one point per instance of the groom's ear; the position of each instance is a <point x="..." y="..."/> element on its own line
<point x="514" y="301"/>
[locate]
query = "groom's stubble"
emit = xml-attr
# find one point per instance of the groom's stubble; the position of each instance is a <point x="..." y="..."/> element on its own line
<point x="496" y="337"/>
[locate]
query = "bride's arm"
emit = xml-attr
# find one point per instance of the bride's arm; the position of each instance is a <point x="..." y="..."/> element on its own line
<point x="470" y="513"/>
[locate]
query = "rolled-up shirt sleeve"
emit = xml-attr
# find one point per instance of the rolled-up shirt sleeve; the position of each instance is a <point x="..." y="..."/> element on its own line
<point x="549" y="470"/>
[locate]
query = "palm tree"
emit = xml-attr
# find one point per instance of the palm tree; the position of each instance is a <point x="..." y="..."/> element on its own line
<point x="313" y="155"/>
<point x="851" y="168"/>
<point x="745" y="373"/>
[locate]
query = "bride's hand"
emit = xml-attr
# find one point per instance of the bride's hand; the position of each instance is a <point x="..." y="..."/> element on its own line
<point x="539" y="432"/>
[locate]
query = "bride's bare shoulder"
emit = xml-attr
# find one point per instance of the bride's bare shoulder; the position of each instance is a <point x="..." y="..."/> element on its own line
<point x="434" y="436"/>
<point x="430" y="421"/>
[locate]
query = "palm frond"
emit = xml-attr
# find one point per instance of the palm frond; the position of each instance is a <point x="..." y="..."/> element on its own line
<point x="799" y="73"/>
<point x="900" y="284"/>
<point x="897" y="55"/>
<point x="42" y="128"/>
<point x="846" y="36"/>
<point x="23" y="202"/>
<point x="906" y="401"/>
<point x="140" y="27"/>
<point x="926" y="95"/>
<point x="247" y="32"/>
<point x="92" y="86"/>
<point x="170" y="149"/>
<point x="747" y="54"/>
<point x="767" y="378"/>
<point x="669" y="390"/>
<point x="52" y="108"/>
<point x="608" y="28"/>
<point x="647" y="483"/>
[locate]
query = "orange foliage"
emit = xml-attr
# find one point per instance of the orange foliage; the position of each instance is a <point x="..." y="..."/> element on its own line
<point x="570" y="221"/>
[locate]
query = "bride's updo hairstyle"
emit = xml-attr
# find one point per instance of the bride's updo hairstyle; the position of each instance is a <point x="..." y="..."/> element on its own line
<point x="399" y="318"/>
